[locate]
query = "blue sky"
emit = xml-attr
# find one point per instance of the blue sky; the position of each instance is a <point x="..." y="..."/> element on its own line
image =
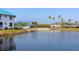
<point x="41" y="14"/>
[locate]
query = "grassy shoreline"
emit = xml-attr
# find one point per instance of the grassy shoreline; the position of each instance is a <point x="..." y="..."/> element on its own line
<point x="67" y="29"/>
<point x="21" y="31"/>
<point x="14" y="32"/>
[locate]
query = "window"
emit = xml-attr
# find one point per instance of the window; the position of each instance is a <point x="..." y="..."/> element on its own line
<point x="0" y="23"/>
<point x="5" y="16"/>
<point x="0" y="17"/>
<point x="5" y="23"/>
<point x="10" y="17"/>
<point x="10" y="24"/>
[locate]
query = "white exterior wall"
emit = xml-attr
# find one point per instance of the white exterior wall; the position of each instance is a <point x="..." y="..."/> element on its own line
<point x="7" y="20"/>
<point x="56" y="26"/>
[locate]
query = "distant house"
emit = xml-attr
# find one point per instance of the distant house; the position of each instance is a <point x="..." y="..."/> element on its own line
<point x="54" y="26"/>
<point x="6" y="19"/>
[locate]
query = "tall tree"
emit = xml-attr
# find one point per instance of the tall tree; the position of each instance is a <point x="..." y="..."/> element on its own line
<point x="59" y="16"/>
<point x="62" y="23"/>
<point x="34" y="24"/>
<point x="69" y="20"/>
<point x="53" y="18"/>
<point x="49" y="17"/>
<point x="76" y="22"/>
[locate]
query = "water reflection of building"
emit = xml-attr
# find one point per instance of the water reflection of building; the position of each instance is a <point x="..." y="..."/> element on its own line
<point x="7" y="43"/>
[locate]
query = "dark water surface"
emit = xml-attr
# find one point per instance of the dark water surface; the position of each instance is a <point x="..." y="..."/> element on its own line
<point x="41" y="41"/>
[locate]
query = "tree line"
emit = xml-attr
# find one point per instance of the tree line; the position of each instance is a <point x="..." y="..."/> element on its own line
<point x="62" y="21"/>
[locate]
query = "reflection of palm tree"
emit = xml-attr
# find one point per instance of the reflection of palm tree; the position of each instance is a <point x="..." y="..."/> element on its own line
<point x="62" y="38"/>
<point x="34" y="35"/>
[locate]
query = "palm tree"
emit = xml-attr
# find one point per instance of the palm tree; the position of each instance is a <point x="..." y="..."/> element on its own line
<point x="62" y="23"/>
<point x="62" y="19"/>
<point x="69" y="22"/>
<point x="76" y="22"/>
<point x="49" y="17"/>
<point x="53" y="18"/>
<point x="59" y="16"/>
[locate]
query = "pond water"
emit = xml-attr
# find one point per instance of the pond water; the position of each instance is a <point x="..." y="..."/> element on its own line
<point x="41" y="41"/>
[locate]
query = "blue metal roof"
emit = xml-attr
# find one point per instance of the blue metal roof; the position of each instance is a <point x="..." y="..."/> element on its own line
<point x="2" y="11"/>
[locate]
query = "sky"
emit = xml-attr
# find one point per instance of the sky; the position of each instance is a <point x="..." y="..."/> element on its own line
<point x="41" y="14"/>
